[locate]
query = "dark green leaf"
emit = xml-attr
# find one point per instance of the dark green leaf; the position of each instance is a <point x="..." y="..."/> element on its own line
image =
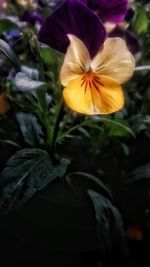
<point x="6" y="25"/>
<point x="24" y="83"/>
<point x="7" y="51"/>
<point x="117" y="123"/>
<point x="26" y="172"/>
<point x="104" y="189"/>
<point x="138" y="123"/>
<point x="109" y="223"/>
<point x="125" y="149"/>
<point x="119" y="128"/>
<point x="52" y="59"/>
<point x="30" y="128"/>
<point x="48" y="55"/>
<point x="10" y="143"/>
<point x="139" y="174"/>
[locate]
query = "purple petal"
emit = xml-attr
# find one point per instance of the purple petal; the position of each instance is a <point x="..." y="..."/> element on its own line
<point x="109" y="10"/>
<point x="130" y="14"/>
<point x="53" y="4"/>
<point x="73" y="17"/>
<point x="13" y="34"/>
<point x="32" y="17"/>
<point x="130" y="38"/>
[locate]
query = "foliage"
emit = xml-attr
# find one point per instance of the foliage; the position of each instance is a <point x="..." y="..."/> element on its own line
<point x="42" y="141"/>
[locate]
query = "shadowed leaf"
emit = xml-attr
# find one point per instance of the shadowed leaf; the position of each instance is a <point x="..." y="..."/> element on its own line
<point x="104" y="189"/>
<point x="26" y="172"/>
<point x="30" y="128"/>
<point x="139" y="174"/>
<point x="6" y="25"/>
<point x="9" y="53"/>
<point x="109" y="224"/>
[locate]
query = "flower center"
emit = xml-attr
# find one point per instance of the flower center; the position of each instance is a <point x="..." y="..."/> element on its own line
<point x="90" y="81"/>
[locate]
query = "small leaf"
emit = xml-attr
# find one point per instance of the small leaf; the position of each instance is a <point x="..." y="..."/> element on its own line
<point x="9" y="53"/>
<point x="10" y="143"/>
<point x="141" y="21"/>
<point x="119" y="127"/>
<point x="84" y="131"/>
<point x="139" y="174"/>
<point x="24" y="83"/>
<point x="30" y="128"/>
<point x="138" y="123"/>
<point x="125" y="149"/>
<point x="116" y="130"/>
<point x="109" y="224"/>
<point x="118" y="123"/>
<point x="96" y="180"/>
<point x="48" y="55"/>
<point x="7" y="25"/>
<point x="52" y="59"/>
<point x="26" y="172"/>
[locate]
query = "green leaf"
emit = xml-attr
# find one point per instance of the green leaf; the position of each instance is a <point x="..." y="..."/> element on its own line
<point x="52" y="59"/>
<point x="9" y="53"/>
<point x="125" y="149"/>
<point x="109" y="224"/>
<point x="48" y="55"/>
<point x="118" y="124"/>
<point x="7" y="25"/>
<point x="140" y="23"/>
<point x="10" y="143"/>
<point x="24" y="83"/>
<point x="119" y="131"/>
<point x="30" y="128"/>
<point x="104" y="189"/>
<point x="26" y="172"/>
<point x="139" y="174"/>
<point x="138" y="123"/>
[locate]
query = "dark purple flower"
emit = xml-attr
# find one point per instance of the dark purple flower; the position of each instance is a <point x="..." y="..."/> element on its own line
<point x="130" y="14"/>
<point x="130" y="38"/>
<point x="73" y="17"/>
<point x="32" y="17"/>
<point x="13" y="34"/>
<point x="109" y="10"/>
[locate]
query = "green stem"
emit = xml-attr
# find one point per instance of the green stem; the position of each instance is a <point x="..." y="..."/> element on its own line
<point x="56" y="127"/>
<point x="42" y="75"/>
<point x="44" y="118"/>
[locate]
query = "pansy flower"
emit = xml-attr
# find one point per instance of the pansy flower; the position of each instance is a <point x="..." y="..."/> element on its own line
<point x="108" y="10"/>
<point x="112" y="13"/>
<point x="72" y="17"/>
<point x="32" y="17"/>
<point x="92" y="86"/>
<point x="93" y="68"/>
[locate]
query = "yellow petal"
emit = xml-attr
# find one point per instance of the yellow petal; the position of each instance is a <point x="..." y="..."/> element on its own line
<point x="114" y="60"/>
<point x="94" y="94"/>
<point x="77" y="60"/>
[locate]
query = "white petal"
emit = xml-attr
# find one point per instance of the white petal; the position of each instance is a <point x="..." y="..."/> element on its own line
<point x="77" y="60"/>
<point x="114" y="60"/>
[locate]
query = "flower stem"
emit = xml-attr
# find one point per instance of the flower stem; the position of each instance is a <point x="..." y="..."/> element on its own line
<point x="56" y="127"/>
